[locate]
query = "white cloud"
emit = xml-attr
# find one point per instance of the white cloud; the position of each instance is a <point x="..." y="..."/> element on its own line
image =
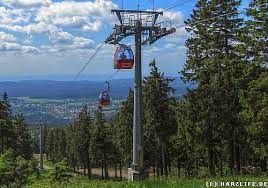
<point x="173" y="19"/>
<point x="66" y="38"/>
<point x="15" y="47"/>
<point x="53" y="30"/>
<point x="176" y="18"/>
<point x="35" y="28"/>
<point x="39" y="28"/>
<point x="50" y="16"/>
<point x="13" y="16"/>
<point x="65" y="42"/>
<point x="26" y="3"/>
<point x="5" y="37"/>
<point x="170" y="45"/>
<point x="83" y="15"/>
<point x="176" y="39"/>
<point x="151" y="49"/>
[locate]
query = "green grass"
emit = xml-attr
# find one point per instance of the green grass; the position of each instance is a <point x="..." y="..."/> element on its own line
<point x="83" y="182"/>
<point x="80" y="181"/>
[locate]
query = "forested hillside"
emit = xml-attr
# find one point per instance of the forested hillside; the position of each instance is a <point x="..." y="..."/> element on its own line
<point x="218" y="129"/>
<point x="45" y="89"/>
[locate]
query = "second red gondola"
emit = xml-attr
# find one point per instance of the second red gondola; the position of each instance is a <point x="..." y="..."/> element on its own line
<point x="104" y="99"/>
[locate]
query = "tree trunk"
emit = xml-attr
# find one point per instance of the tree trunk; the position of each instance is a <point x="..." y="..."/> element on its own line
<point x="157" y="168"/>
<point x="161" y="169"/>
<point x="231" y="159"/>
<point x="237" y="156"/>
<point x="164" y="164"/>
<point x="178" y="166"/>
<point x="106" y="169"/>
<point x="221" y="165"/>
<point x="2" y="140"/>
<point x="154" y="163"/>
<point x="264" y="165"/>
<point x="169" y="163"/>
<point x="88" y="168"/>
<point x="120" y="170"/>
<point x="102" y="170"/>
<point x="211" y="164"/>
<point x="84" y="169"/>
<point x="154" y="170"/>
<point x="115" y="170"/>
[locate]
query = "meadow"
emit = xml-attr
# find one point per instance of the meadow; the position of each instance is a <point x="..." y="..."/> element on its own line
<point x="81" y="181"/>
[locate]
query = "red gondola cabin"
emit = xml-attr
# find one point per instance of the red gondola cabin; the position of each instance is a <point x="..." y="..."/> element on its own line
<point x="104" y="99"/>
<point x="123" y="58"/>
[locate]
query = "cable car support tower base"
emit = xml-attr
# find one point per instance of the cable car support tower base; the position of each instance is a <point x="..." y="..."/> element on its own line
<point x="143" y="26"/>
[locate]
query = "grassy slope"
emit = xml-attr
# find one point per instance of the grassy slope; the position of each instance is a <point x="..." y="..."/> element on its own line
<point x="83" y="182"/>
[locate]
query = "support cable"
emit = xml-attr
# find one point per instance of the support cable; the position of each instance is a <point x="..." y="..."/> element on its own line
<point x="176" y="4"/>
<point x="111" y="76"/>
<point x="95" y="53"/>
<point x="204" y="20"/>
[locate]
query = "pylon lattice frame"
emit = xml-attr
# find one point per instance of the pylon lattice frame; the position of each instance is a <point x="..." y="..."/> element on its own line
<point x="151" y="30"/>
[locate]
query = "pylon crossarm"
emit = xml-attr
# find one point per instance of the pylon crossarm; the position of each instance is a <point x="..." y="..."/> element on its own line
<point x="116" y="38"/>
<point x="157" y="34"/>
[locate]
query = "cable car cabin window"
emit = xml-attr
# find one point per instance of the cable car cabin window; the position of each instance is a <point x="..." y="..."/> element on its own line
<point x="125" y="55"/>
<point x="130" y="53"/>
<point x="104" y="96"/>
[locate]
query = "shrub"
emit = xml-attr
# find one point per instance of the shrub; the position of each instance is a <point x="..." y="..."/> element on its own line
<point x="7" y="166"/>
<point x="14" y="171"/>
<point x="61" y="172"/>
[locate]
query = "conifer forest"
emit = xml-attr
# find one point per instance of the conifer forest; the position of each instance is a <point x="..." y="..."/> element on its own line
<point x="217" y="131"/>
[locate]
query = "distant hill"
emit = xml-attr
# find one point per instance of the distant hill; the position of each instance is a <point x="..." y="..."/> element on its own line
<point x="72" y="89"/>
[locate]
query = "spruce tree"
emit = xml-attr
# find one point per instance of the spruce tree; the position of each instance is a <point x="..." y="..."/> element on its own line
<point x="160" y="123"/>
<point x="6" y="126"/>
<point x="124" y="125"/>
<point x="83" y="137"/>
<point x="214" y="63"/>
<point x="22" y="143"/>
<point x="254" y="95"/>
<point x="98" y="144"/>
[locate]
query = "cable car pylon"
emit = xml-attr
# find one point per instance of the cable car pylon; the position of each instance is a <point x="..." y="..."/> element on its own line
<point x="143" y="25"/>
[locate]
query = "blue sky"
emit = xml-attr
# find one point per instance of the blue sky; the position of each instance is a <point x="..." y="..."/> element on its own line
<point x="53" y="39"/>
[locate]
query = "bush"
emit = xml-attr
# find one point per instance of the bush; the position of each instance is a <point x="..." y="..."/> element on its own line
<point x="14" y="171"/>
<point x="61" y="172"/>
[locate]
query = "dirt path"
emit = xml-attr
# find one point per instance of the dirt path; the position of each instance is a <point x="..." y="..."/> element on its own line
<point x="111" y="172"/>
